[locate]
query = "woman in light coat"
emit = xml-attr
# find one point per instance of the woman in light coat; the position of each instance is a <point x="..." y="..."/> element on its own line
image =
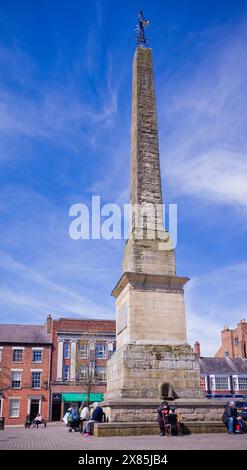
<point x="84" y="415"/>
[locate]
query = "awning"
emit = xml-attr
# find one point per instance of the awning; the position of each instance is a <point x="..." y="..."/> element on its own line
<point x="71" y="397"/>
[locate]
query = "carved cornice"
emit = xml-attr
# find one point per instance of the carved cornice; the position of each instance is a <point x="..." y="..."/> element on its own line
<point x="149" y="281"/>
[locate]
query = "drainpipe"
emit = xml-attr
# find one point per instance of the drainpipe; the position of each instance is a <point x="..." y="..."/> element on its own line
<point x="208" y="384"/>
<point x="231" y="385"/>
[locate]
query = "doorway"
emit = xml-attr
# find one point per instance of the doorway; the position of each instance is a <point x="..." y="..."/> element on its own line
<point x="56" y="411"/>
<point x="34" y="408"/>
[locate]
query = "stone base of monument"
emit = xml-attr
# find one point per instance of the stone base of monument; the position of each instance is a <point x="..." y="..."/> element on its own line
<point x="131" y="417"/>
<point x="150" y="428"/>
<point x="141" y="410"/>
<point x="140" y="370"/>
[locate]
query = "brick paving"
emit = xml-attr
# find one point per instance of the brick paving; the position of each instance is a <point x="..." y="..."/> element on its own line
<point x="56" y="436"/>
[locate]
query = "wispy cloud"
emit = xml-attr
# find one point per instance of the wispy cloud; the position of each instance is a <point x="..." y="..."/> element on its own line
<point x="31" y="295"/>
<point x="205" y="151"/>
<point x="203" y="118"/>
<point x="213" y="300"/>
<point x="55" y="110"/>
<point x="43" y="270"/>
<point x="218" y="176"/>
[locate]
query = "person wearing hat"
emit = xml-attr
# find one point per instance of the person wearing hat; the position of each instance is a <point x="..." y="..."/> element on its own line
<point x="163" y="412"/>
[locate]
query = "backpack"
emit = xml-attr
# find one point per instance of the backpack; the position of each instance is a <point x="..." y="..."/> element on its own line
<point x="69" y="419"/>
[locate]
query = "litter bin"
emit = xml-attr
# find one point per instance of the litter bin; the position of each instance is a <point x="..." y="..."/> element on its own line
<point x="1" y="423"/>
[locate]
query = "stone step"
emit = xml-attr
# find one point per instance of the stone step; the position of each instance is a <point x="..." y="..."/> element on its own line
<point x="149" y="428"/>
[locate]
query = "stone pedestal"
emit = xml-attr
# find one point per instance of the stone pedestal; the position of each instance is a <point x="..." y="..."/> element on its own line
<point x="151" y="340"/>
<point x="138" y="372"/>
<point x="150" y="309"/>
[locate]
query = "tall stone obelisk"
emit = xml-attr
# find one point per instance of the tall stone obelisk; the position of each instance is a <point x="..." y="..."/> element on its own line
<point x="150" y="318"/>
<point x="154" y="255"/>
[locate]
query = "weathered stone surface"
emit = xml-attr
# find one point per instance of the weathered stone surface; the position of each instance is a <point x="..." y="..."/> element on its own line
<point x="154" y="309"/>
<point x="154" y="256"/>
<point x="149" y="428"/>
<point x="134" y="371"/>
<point x="136" y="410"/>
<point x="145" y="184"/>
<point x="151" y="258"/>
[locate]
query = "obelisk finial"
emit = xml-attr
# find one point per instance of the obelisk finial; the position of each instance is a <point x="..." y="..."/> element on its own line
<point x="141" y="40"/>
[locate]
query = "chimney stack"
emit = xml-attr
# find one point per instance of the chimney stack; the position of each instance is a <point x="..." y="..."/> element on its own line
<point x="48" y="324"/>
<point x="197" y="348"/>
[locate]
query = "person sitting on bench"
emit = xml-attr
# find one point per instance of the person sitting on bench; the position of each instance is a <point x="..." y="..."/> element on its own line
<point x="97" y="417"/>
<point x="163" y="412"/>
<point x="172" y="420"/>
<point x="39" y="420"/>
<point x="232" y="419"/>
<point x="28" y="421"/>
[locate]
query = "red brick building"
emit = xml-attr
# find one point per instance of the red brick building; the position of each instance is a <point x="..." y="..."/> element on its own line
<point x="78" y="346"/>
<point x="25" y="358"/>
<point x="234" y="342"/>
<point x="41" y="366"/>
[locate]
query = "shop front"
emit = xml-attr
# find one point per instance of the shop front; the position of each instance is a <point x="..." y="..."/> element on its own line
<point x="62" y="401"/>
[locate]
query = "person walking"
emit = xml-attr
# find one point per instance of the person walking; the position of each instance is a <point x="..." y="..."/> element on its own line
<point x="72" y="419"/>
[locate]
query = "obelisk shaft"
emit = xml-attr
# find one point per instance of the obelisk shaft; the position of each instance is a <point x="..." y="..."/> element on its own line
<point x="149" y="248"/>
<point x="145" y="185"/>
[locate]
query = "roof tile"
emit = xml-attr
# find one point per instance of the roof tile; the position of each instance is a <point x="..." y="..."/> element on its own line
<point x="19" y="334"/>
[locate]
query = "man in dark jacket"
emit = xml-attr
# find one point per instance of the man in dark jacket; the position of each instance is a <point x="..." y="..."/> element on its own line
<point x="163" y="412"/>
<point x="231" y="418"/>
<point x="97" y="417"/>
<point x="98" y="414"/>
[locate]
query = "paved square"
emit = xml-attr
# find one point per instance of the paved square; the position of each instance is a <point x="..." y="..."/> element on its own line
<point x="57" y="437"/>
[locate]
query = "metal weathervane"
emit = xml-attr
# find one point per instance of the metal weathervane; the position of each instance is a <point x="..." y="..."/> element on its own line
<point x="140" y="30"/>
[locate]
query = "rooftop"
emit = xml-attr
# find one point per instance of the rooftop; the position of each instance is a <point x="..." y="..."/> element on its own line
<point x="81" y="325"/>
<point x="23" y="334"/>
<point x="223" y="365"/>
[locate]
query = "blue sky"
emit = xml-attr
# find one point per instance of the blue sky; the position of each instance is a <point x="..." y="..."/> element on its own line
<point x="65" y="103"/>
